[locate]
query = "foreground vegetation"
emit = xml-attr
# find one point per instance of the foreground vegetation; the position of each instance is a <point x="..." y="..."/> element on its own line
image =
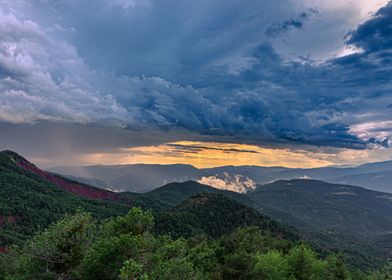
<point x="79" y="247"/>
<point x="31" y="200"/>
<point x="196" y="232"/>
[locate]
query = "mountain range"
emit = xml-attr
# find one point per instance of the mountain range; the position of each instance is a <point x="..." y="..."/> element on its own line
<point x="145" y="177"/>
<point x="336" y="217"/>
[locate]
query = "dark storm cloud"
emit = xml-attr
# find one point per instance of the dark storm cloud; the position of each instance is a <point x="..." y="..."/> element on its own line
<point x="193" y="148"/>
<point x="376" y="33"/>
<point x="298" y="22"/>
<point x="210" y="69"/>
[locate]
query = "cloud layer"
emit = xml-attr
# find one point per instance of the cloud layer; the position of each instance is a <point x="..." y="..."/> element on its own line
<point x="216" y="69"/>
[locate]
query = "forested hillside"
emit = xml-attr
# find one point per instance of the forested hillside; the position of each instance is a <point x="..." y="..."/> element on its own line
<point x="78" y="247"/>
<point x="29" y="202"/>
<point x="215" y="214"/>
<point x="324" y="206"/>
<point x="190" y="215"/>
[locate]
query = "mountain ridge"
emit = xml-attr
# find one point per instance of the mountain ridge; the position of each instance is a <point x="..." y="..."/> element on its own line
<point x="70" y="186"/>
<point x="39" y="202"/>
<point x="30" y="200"/>
<point x="195" y="214"/>
<point x="137" y="181"/>
<point x="328" y="206"/>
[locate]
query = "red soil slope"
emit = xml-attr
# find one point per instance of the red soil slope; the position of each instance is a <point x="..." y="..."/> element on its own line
<point x="72" y="187"/>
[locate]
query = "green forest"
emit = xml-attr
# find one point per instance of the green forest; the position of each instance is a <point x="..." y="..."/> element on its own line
<point x="179" y="231"/>
<point x="126" y="247"/>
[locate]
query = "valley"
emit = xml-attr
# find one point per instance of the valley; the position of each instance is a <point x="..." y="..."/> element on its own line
<point x="330" y="217"/>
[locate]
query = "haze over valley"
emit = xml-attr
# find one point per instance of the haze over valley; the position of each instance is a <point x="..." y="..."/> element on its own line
<point x="144" y="177"/>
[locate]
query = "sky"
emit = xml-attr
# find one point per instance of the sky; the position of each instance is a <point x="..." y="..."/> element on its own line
<point x="295" y="83"/>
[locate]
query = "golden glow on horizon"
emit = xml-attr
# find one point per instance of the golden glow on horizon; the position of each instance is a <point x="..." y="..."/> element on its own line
<point x="211" y="154"/>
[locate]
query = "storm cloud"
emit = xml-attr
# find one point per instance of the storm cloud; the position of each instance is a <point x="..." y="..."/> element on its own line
<point x="213" y="69"/>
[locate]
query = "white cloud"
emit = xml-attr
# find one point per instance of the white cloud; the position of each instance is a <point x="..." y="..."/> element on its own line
<point x="327" y="30"/>
<point x="224" y="181"/>
<point x="45" y="79"/>
<point x="364" y="8"/>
